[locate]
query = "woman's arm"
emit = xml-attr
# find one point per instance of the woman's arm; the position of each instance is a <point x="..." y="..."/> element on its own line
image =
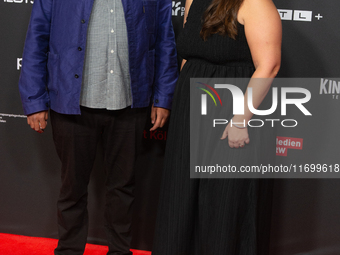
<point x="263" y="31"/>
<point x="186" y="11"/>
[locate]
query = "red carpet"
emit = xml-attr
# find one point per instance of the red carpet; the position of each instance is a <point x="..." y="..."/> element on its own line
<point x="24" y="245"/>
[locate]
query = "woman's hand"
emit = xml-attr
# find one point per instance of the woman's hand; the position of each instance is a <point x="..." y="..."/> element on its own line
<point x="237" y="137"/>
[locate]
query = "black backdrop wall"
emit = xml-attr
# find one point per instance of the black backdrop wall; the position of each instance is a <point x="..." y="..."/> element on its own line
<point x="305" y="211"/>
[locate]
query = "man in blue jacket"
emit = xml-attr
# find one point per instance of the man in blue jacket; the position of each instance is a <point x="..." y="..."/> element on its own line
<point x="97" y="65"/>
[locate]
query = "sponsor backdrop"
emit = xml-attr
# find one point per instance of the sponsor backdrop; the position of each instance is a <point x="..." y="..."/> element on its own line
<point x="305" y="211"/>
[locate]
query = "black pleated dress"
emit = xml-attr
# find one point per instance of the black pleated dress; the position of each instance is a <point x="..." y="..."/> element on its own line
<point x="210" y="216"/>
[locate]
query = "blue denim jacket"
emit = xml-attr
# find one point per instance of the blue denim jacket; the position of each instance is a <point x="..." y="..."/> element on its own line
<point x="53" y="58"/>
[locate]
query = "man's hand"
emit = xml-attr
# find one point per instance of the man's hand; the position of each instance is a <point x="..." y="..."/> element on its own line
<point x="38" y="121"/>
<point x="159" y="117"/>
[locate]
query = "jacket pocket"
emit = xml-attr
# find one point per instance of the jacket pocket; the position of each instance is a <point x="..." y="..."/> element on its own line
<point x="150" y="15"/>
<point x="52" y="71"/>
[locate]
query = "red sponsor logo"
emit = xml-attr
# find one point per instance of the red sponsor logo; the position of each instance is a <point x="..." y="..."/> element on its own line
<point x="155" y="135"/>
<point x="285" y="143"/>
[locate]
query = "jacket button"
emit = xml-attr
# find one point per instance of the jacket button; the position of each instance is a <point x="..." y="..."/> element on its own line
<point x="80" y="49"/>
<point x="156" y="101"/>
<point x="83" y="21"/>
<point x="76" y="76"/>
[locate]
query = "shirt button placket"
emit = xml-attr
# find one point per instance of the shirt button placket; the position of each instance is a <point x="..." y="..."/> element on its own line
<point x="112" y="31"/>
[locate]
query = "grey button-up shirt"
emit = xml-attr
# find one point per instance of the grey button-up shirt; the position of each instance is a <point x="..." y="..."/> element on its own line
<point x="106" y="79"/>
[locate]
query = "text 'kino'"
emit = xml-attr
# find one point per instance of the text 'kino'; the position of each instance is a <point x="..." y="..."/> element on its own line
<point x="329" y="86"/>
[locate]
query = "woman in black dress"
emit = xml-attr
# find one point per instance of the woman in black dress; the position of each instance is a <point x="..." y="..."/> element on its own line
<point x="222" y="38"/>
